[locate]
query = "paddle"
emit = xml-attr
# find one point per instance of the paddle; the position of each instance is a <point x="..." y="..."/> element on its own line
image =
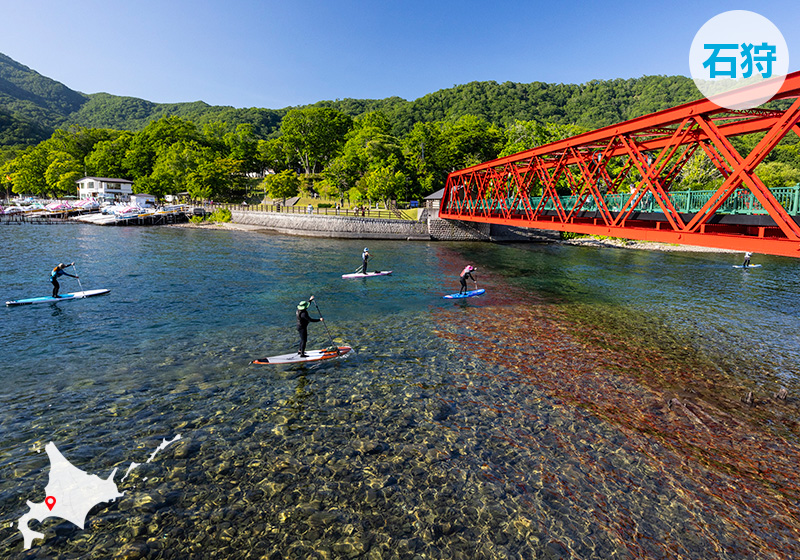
<point x="77" y="277"/>
<point x="324" y="324"/>
<point x="360" y="269"/>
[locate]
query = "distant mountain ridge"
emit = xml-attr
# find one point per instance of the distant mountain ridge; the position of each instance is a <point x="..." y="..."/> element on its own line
<point x="29" y="88"/>
<point x="32" y="106"/>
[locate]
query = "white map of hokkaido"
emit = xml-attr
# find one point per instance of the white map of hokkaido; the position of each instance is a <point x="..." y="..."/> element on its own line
<point x="75" y="492"/>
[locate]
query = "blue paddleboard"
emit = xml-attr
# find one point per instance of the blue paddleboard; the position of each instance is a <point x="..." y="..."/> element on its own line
<point x="50" y="299"/>
<point x="749" y="266"/>
<point x="468" y="294"/>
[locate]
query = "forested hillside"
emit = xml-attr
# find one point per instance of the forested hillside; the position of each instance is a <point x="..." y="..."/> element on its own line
<point x="388" y="149"/>
<point x="32" y="106"/>
<point x="591" y="105"/>
<point x="103" y="110"/>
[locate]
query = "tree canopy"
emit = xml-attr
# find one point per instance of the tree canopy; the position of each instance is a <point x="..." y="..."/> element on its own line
<point x="314" y="135"/>
<point x="367" y="149"/>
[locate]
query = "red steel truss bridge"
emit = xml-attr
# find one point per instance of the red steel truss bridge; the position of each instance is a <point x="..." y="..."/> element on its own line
<point x="619" y="178"/>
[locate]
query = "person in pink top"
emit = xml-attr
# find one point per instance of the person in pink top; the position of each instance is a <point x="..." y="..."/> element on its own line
<point x="467" y="273"/>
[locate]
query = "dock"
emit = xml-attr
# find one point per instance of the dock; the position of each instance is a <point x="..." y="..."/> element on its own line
<point x="149" y="218"/>
<point x="37" y="218"/>
<point x="175" y="215"/>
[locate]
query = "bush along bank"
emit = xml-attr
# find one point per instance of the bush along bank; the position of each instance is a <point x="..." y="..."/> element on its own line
<point x="219" y="215"/>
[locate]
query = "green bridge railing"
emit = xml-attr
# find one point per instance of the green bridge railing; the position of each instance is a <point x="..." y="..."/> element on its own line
<point x="740" y="202"/>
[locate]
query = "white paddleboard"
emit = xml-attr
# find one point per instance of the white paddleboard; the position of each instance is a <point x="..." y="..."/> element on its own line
<point x="311" y="356"/>
<point x="368" y="274"/>
<point x="751" y="266"/>
<point x="51" y="299"/>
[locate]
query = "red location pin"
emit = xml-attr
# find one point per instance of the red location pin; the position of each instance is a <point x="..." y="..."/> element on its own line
<point x="50" y="501"/>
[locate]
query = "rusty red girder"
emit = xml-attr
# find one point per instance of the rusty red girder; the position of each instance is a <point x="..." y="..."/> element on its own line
<point x="649" y="152"/>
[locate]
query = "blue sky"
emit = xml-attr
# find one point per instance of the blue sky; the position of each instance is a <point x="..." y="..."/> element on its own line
<point x="274" y="54"/>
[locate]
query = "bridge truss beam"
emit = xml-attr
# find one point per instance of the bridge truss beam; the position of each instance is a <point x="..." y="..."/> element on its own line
<point x="647" y="153"/>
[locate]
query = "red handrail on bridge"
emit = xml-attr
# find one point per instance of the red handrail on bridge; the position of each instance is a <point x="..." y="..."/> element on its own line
<point x="648" y="152"/>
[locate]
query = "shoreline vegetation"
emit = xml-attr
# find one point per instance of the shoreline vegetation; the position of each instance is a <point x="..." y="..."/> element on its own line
<point x="382" y="151"/>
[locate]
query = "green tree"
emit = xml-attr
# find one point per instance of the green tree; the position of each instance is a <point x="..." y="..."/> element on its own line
<point x="79" y="141"/>
<point x="367" y="148"/>
<point x="469" y="141"/>
<point x="157" y="136"/>
<point x="374" y="119"/>
<point x="51" y="167"/>
<point x="776" y="174"/>
<point x="209" y="179"/>
<point x="424" y="155"/>
<point x="214" y="135"/>
<point x="698" y="173"/>
<point x="242" y="146"/>
<point x="338" y="178"/>
<point x="174" y="165"/>
<point x="526" y="135"/>
<point x="28" y="172"/>
<point x="7" y="171"/>
<point x="384" y="183"/>
<point x="314" y="135"/>
<point x="108" y="157"/>
<point x="272" y="154"/>
<point x="282" y="185"/>
<point x="62" y="173"/>
<point x="356" y="195"/>
<point x="432" y="150"/>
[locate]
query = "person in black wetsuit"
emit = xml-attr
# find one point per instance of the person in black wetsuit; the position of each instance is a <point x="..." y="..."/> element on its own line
<point x="466" y="273"/>
<point x="303" y="319"/>
<point x="364" y="258"/>
<point x="59" y="271"/>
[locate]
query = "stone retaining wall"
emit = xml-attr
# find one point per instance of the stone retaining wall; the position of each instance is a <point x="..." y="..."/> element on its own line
<point x="453" y="230"/>
<point x="429" y="228"/>
<point x="333" y="226"/>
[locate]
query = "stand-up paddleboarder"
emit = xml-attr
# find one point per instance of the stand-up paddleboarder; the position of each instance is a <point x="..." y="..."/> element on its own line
<point x="364" y="258"/>
<point x="59" y="271"/>
<point x="467" y="273"/>
<point x="303" y="319"/>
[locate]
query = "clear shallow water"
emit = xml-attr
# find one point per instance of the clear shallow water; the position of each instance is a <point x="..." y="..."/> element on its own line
<point x="530" y="423"/>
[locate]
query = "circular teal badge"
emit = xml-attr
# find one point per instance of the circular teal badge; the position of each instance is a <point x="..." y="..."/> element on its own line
<point x="739" y="59"/>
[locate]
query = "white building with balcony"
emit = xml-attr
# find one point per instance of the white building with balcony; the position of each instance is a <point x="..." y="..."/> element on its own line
<point x="119" y="190"/>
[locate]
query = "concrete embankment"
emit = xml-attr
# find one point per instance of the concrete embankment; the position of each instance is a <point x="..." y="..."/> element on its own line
<point x="426" y="229"/>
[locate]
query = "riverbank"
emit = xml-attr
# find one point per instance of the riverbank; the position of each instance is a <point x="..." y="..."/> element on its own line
<point x="427" y="228"/>
<point x="646" y="245"/>
<point x="220" y="225"/>
<point x="582" y="242"/>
